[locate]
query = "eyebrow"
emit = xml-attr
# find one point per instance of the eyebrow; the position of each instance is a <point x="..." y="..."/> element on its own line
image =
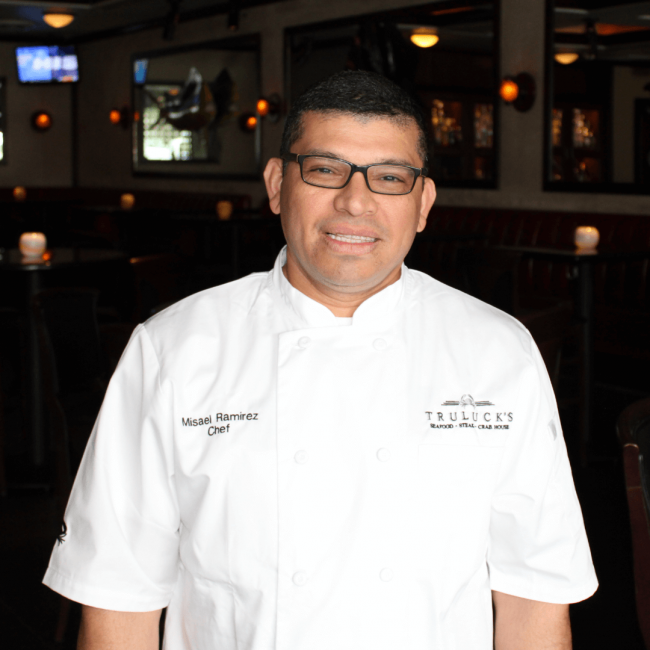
<point x="386" y="161"/>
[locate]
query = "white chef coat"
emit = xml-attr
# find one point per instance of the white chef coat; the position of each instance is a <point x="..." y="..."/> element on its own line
<point x="281" y="482"/>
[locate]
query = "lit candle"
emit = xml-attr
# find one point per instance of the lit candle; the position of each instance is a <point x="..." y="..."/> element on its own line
<point x="20" y="193"/>
<point x="224" y="210"/>
<point x="32" y="244"/>
<point x="127" y="201"/>
<point x="586" y="238"/>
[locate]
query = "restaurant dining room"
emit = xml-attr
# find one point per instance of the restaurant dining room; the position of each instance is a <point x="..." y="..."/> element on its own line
<point x="135" y="140"/>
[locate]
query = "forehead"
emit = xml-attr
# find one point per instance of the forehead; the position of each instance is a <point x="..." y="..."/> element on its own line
<point x="362" y="140"/>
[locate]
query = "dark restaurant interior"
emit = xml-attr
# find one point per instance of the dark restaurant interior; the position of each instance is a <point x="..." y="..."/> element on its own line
<point x="133" y="136"/>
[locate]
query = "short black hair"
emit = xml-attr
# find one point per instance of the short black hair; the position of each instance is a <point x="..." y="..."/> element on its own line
<point x="360" y="94"/>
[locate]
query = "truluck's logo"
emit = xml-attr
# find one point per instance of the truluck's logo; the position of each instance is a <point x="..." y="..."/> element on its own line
<point x="471" y="414"/>
<point x="467" y="400"/>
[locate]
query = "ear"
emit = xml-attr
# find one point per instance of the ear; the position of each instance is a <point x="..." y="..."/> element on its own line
<point x="273" y="181"/>
<point x="426" y="202"/>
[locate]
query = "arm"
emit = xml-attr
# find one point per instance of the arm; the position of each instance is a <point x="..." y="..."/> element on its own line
<point x="523" y="624"/>
<point x="102" y="629"/>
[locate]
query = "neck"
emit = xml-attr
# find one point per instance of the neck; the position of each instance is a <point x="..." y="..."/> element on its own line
<point x="341" y="303"/>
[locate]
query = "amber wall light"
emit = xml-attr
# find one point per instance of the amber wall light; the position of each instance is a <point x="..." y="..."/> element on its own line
<point x="519" y="91"/>
<point x="41" y="121"/>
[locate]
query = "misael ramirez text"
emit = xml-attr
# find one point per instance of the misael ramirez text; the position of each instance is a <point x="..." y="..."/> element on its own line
<point x="213" y="426"/>
<point x="469" y="420"/>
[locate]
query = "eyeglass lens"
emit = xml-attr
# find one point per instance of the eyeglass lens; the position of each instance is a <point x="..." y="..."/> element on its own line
<point x="385" y="179"/>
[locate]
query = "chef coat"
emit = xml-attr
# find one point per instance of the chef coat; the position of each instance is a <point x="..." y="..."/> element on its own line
<point x="278" y="481"/>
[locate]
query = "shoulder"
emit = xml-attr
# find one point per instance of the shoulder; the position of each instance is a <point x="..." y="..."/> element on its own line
<point x="464" y="319"/>
<point x="207" y="313"/>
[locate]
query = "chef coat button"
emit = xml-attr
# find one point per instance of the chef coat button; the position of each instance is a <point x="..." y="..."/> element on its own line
<point x="301" y="457"/>
<point x="383" y="455"/>
<point x="299" y="578"/>
<point x="386" y="575"/>
<point x="379" y="344"/>
<point x="304" y="342"/>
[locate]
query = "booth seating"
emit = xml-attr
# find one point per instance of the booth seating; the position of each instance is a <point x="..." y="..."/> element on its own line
<point x="622" y="294"/>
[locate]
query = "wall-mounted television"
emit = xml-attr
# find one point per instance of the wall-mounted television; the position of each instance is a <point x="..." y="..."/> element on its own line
<point x="47" y="64"/>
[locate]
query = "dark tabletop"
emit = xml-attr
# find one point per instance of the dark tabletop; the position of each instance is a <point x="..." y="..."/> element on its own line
<point x="60" y="257"/>
<point x="567" y="254"/>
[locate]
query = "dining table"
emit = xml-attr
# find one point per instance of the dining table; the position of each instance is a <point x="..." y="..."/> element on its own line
<point x="582" y="263"/>
<point x="33" y="274"/>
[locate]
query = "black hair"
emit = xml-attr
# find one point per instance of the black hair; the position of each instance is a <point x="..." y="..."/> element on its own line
<point x="360" y="94"/>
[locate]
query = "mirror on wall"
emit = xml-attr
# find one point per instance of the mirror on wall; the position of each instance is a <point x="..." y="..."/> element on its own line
<point x="444" y="53"/>
<point x="598" y="117"/>
<point x="194" y="110"/>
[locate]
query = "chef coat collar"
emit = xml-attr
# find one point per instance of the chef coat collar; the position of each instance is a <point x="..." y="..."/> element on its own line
<point x="312" y="314"/>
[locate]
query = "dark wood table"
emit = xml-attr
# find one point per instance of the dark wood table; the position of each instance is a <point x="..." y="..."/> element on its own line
<point x="32" y="270"/>
<point x="582" y="264"/>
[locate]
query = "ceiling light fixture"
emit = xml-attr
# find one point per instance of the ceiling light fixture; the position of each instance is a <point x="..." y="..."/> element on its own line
<point x="58" y="18"/>
<point x="424" y="37"/>
<point x="567" y="58"/>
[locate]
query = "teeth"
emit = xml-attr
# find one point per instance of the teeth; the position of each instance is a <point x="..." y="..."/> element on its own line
<point x="351" y="239"/>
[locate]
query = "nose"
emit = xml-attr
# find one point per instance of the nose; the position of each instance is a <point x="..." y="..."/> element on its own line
<point x="356" y="198"/>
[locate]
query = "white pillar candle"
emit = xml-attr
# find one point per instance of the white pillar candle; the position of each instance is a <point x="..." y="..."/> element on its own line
<point x="586" y="237"/>
<point x="32" y="244"/>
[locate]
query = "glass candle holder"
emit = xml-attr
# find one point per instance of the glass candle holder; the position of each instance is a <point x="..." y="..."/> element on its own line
<point x="586" y="238"/>
<point x="32" y="244"/>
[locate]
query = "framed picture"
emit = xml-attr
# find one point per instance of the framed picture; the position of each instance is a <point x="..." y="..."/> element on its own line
<point x="194" y="110"/>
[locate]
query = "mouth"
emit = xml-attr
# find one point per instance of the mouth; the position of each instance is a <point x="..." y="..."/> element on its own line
<point x="351" y="239"/>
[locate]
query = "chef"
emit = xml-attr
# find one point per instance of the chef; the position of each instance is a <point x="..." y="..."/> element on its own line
<point x="340" y="454"/>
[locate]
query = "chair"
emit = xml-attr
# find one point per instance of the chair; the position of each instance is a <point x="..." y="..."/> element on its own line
<point x="74" y="375"/>
<point x="633" y="430"/>
<point x="159" y="281"/>
<point x="13" y="327"/>
<point x="491" y="276"/>
<point x="74" y="382"/>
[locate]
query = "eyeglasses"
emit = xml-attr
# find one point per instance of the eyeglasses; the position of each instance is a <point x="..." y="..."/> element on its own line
<point x="334" y="173"/>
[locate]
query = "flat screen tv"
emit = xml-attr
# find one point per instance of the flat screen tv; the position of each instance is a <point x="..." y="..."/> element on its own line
<point x="47" y="64"/>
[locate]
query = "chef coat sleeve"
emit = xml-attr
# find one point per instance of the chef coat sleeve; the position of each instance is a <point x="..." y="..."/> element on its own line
<point x="120" y="549"/>
<point x="538" y="547"/>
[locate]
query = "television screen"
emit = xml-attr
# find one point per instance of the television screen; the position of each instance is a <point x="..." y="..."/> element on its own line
<point x="47" y="64"/>
<point x="140" y="71"/>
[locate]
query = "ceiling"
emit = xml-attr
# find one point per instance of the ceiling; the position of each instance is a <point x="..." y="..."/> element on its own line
<point x="23" y="20"/>
<point x="620" y="32"/>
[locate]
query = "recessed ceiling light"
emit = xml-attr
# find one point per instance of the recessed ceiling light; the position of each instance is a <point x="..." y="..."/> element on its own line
<point x="567" y="58"/>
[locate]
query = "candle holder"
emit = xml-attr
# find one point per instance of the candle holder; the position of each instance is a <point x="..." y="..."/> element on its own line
<point x="32" y="244"/>
<point x="586" y="238"/>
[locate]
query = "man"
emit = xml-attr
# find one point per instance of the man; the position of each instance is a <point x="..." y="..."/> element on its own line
<point x="339" y="454"/>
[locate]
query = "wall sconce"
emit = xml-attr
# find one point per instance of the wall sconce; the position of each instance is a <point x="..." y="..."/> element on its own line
<point x="32" y="244"/>
<point x="567" y="58"/>
<point x="57" y="19"/>
<point x="20" y="193"/>
<point x="248" y="122"/>
<point x="120" y="116"/>
<point x="586" y="238"/>
<point x="269" y="107"/>
<point x="41" y="121"/>
<point x="424" y="37"/>
<point x="520" y="91"/>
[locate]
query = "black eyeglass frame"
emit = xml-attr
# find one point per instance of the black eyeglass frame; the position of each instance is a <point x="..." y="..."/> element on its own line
<point x="300" y="157"/>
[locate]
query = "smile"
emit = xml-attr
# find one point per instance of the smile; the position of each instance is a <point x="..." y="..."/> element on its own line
<point x="352" y="239"/>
